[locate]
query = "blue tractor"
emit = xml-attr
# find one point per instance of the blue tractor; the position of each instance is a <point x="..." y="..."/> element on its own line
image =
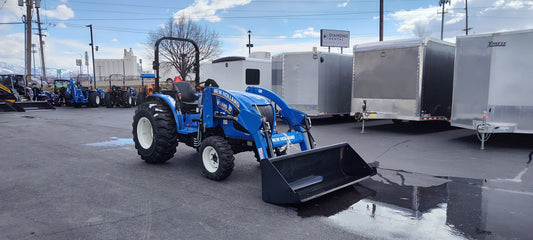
<point x="220" y="123"/>
<point x="72" y="93"/>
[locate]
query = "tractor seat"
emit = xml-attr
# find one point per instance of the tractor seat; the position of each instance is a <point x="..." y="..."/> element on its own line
<point x="188" y="101"/>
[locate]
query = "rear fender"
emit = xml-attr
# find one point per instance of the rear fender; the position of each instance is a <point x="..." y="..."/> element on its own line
<point x="171" y="103"/>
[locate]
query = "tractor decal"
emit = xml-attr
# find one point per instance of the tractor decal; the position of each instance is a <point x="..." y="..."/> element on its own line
<point x="227" y="96"/>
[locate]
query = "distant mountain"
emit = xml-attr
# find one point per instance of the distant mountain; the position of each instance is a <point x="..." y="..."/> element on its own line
<point x="6" y="68"/>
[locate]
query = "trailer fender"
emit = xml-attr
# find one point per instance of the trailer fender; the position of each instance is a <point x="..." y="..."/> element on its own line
<point x="171" y="103"/>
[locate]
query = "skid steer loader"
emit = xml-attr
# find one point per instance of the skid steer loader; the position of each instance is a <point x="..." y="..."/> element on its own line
<point x="15" y="96"/>
<point x="220" y="123"/>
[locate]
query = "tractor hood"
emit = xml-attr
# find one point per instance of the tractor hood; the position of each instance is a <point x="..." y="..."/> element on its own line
<point x="249" y="99"/>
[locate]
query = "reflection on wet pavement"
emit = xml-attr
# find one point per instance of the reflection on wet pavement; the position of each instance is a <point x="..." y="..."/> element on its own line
<point x="402" y="205"/>
<point x="114" y="142"/>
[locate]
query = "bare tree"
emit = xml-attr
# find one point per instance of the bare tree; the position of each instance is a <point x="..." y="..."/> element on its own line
<point x="180" y="55"/>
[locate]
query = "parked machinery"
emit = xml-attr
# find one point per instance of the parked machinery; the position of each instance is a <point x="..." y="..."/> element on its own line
<point x="72" y="93"/>
<point x="120" y="96"/>
<point x="220" y="123"/>
<point x="15" y="95"/>
<point x="147" y="90"/>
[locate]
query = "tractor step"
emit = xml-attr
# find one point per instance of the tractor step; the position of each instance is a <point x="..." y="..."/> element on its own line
<point x="310" y="174"/>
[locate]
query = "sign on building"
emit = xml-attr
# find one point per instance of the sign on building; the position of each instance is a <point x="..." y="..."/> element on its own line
<point x="334" y="38"/>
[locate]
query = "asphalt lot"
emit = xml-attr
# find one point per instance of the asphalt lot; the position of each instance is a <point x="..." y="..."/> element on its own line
<point x="74" y="174"/>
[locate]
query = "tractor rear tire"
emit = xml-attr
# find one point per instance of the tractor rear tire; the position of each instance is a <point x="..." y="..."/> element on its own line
<point x="125" y="99"/>
<point x="154" y="132"/>
<point x="94" y="99"/>
<point x="141" y="97"/>
<point x="217" y="158"/>
<point x="107" y="100"/>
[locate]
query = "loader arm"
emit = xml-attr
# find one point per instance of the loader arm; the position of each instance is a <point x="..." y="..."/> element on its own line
<point x="296" y="119"/>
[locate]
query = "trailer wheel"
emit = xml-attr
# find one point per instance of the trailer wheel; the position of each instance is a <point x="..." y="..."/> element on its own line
<point x="126" y="99"/>
<point x="107" y="100"/>
<point x="217" y="158"/>
<point x="94" y="99"/>
<point x="154" y="132"/>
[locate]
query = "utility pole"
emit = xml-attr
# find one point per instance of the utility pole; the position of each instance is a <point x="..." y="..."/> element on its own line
<point x="249" y="45"/>
<point x="380" y="20"/>
<point x="92" y="49"/>
<point x="27" y="19"/>
<point x="441" y="3"/>
<point x="466" y="9"/>
<point x="87" y="61"/>
<point x="33" y="51"/>
<point x="43" y="66"/>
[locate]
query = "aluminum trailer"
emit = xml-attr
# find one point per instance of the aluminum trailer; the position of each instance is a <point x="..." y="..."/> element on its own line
<point x="237" y="73"/>
<point x="316" y="83"/>
<point x="493" y="83"/>
<point x="409" y="80"/>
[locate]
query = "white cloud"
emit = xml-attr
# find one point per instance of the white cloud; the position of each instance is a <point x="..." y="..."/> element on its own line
<point x="10" y="12"/>
<point x="12" y="48"/>
<point x="207" y="9"/>
<point x="308" y="32"/>
<point x="114" y="40"/>
<point x="63" y="1"/>
<point x="344" y="4"/>
<point x="62" y="12"/>
<point x="61" y="25"/>
<point x="484" y="17"/>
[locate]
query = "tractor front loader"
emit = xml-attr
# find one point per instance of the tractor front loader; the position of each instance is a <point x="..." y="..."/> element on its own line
<point x="15" y="96"/>
<point x="220" y="123"/>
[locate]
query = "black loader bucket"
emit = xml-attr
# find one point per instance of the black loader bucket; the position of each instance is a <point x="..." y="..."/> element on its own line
<point x="310" y="174"/>
<point x="23" y="106"/>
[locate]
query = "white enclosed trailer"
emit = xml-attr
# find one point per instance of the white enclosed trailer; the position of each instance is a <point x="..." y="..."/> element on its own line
<point x="407" y="79"/>
<point x="316" y="83"/>
<point x="493" y="83"/>
<point x="237" y="73"/>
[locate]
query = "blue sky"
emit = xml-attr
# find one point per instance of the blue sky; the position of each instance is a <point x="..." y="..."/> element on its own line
<point x="276" y="25"/>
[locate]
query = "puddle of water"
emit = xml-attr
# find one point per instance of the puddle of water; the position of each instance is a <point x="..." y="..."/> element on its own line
<point x="401" y="205"/>
<point x="114" y="142"/>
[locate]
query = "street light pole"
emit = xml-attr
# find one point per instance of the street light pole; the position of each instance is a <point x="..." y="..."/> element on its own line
<point x="441" y="3"/>
<point x="81" y="64"/>
<point x="380" y="20"/>
<point x="249" y="45"/>
<point x="92" y="49"/>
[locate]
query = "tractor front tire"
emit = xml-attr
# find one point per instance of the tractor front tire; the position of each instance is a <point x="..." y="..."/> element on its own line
<point x="107" y="100"/>
<point x="94" y="99"/>
<point x="154" y="132"/>
<point x="217" y="158"/>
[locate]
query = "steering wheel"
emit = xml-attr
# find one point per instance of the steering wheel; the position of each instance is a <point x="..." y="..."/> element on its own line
<point x="207" y="83"/>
